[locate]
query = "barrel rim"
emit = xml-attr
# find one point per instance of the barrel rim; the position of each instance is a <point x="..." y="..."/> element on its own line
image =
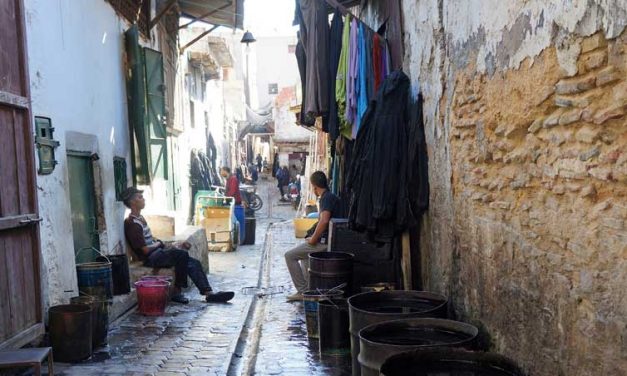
<point x="450" y="355"/>
<point x="347" y="255"/>
<point x="357" y="297"/>
<point x="70" y="308"/>
<point x="469" y="329"/>
<point x="94" y="264"/>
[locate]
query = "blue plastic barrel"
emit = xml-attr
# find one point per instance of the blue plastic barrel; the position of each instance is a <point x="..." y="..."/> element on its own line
<point x="241" y="218"/>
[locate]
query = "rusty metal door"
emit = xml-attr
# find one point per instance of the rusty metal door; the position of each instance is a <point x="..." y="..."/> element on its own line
<point x="21" y="317"/>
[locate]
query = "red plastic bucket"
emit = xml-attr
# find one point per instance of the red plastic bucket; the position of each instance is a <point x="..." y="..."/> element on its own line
<point x="152" y="296"/>
<point x="156" y="278"/>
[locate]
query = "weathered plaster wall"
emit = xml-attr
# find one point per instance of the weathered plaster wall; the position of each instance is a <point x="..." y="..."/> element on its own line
<point x="75" y="51"/>
<point x="525" y="113"/>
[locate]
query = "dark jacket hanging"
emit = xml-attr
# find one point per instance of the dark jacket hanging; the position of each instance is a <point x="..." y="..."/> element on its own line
<point x="314" y="34"/>
<point x="378" y="178"/>
<point x="335" y="47"/>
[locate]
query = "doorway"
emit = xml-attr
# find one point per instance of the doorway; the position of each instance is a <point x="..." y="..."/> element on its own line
<point x="83" y="206"/>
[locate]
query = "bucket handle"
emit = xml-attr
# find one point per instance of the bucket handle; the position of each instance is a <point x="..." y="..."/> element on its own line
<point x="93" y="249"/>
<point x="333" y="289"/>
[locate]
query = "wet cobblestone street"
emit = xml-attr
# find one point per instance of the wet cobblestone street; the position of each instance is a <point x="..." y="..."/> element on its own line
<point x="223" y="339"/>
<point x="284" y="348"/>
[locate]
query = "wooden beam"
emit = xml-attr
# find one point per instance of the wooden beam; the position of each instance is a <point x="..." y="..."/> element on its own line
<point x="18" y="221"/>
<point x="406" y="261"/>
<point x="11" y="99"/>
<point x="206" y="14"/>
<point x="162" y="13"/>
<point x="197" y="38"/>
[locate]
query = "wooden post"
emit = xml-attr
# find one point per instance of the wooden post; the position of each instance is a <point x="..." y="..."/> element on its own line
<point x="406" y="261"/>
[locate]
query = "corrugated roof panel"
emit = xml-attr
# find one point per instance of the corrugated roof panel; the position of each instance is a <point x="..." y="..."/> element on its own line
<point x="216" y="12"/>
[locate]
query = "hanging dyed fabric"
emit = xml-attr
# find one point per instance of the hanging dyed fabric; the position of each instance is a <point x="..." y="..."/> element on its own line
<point x="381" y="205"/>
<point x="314" y="30"/>
<point x="377" y="61"/>
<point x="341" y="80"/>
<point x="368" y="34"/>
<point x="335" y="50"/>
<point x="301" y="59"/>
<point x="361" y="87"/>
<point x="351" y="99"/>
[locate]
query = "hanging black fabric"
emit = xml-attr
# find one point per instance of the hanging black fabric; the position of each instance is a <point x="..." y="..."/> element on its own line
<point x="332" y="124"/>
<point x="301" y="59"/>
<point x="379" y="174"/>
<point x="314" y="34"/>
<point x="418" y="182"/>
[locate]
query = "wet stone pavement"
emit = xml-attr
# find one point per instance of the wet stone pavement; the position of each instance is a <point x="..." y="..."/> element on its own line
<point x="284" y="348"/>
<point x="223" y="339"/>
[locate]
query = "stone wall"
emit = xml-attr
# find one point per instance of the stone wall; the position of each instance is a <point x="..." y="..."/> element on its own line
<point x="525" y="114"/>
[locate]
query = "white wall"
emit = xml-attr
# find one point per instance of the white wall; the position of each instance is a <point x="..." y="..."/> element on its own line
<point x="75" y="51"/>
<point x="275" y="64"/>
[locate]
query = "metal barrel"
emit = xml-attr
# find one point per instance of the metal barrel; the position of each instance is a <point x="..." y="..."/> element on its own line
<point x="330" y="269"/>
<point x="378" y="342"/>
<point x="94" y="279"/>
<point x="374" y="307"/>
<point x="251" y="227"/>
<point x="120" y="274"/>
<point x="70" y="332"/>
<point x="310" y="301"/>
<point x="449" y="362"/>
<point x="333" y="327"/>
<point x="99" y="318"/>
<point x="96" y="331"/>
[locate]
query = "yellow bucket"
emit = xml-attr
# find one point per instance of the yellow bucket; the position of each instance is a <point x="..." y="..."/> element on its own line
<point x="302" y="225"/>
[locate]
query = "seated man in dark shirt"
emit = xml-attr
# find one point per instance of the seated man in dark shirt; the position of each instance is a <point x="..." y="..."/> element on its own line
<point x="329" y="208"/>
<point x="155" y="254"/>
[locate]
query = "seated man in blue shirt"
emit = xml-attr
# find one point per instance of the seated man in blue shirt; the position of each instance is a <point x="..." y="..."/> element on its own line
<point x="329" y="208"/>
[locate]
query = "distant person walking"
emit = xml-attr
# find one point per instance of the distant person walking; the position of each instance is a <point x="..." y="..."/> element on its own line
<point x="259" y="161"/>
<point x="279" y="182"/>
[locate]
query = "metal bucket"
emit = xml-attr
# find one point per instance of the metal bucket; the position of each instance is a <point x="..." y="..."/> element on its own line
<point x="120" y="274"/>
<point x="99" y="317"/>
<point x="449" y="362"/>
<point x="330" y="269"/>
<point x="94" y="278"/>
<point x="333" y="327"/>
<point x="70" y="332"/>
<point x="380" y="341"/>
<point x="310" y="301"/>
<point x="374" y="307"/>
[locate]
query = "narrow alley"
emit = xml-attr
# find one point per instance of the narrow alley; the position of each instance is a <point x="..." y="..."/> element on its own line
<point x="313" y="187"/>
<point x="253" y="334"/>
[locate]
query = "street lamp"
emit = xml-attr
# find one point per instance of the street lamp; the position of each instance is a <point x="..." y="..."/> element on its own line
<point x="248" y="39"/>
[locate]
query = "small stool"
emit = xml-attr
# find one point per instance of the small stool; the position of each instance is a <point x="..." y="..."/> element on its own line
<point x="32" y="357"/>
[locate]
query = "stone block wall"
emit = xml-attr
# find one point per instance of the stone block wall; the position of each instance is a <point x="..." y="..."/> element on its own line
<point x="526" y="124"/>
<point x="539" y="178"/>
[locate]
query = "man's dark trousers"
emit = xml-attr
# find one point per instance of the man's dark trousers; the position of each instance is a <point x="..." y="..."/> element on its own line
<point x="183" y="266"/>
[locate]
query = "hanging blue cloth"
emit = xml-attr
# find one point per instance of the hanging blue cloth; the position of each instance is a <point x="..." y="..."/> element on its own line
<point x="362" y="77"/>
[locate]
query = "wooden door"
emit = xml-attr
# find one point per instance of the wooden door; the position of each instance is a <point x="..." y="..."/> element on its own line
<point x="20" y="296"/>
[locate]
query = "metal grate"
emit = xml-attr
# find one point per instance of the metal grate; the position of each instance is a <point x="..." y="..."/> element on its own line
<point x="135" y="11"/>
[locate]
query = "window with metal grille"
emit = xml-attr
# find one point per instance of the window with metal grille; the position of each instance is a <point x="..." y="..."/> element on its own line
<point x="135" y="11"/>
<point x="119" y="172"/>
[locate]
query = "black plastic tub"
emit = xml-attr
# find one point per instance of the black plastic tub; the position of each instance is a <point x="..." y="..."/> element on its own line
<point x="449" y="362"/>
<point x="380" y="341"/>
<point x="374" y="307"/>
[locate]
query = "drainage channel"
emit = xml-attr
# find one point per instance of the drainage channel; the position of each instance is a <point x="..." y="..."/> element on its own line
<point x="244" y="357"/>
